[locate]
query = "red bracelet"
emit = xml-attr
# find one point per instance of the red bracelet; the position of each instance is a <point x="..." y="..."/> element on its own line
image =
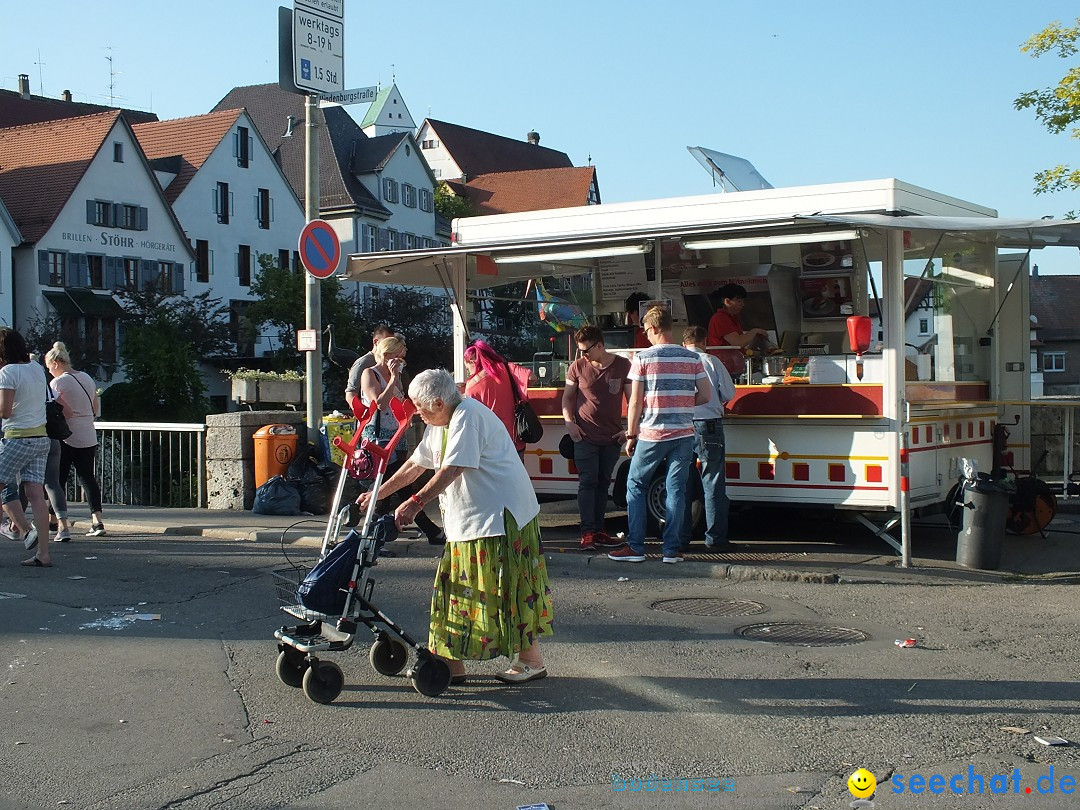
<point x="416" y="500"/>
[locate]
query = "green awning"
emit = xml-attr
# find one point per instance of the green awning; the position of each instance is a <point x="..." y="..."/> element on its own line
<point x="64" y="306"/>
<point x="98" y="305"/>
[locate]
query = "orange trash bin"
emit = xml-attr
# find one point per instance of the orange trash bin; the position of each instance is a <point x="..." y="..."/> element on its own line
<point x="275" y="448"/>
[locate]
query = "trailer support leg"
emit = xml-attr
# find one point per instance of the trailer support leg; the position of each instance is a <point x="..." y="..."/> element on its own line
<point x="881" y="532"/>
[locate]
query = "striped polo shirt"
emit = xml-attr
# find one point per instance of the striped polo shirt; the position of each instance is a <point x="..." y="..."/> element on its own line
<point x="670" y="374"/>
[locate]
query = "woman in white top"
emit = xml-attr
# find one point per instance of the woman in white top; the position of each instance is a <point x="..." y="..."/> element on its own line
<point x="24" y="448"/>
<point x="77" y="392"/>
<point x="491" y="594"/>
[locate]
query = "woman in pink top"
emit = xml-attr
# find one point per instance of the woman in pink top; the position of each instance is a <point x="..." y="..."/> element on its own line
<point x="489" y="381"/>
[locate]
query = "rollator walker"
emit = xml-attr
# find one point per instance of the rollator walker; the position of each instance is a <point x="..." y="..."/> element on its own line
<point x="298" y="662"/>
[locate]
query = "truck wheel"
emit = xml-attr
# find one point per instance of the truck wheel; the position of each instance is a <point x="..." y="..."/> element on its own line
<point x="656" y="507"/>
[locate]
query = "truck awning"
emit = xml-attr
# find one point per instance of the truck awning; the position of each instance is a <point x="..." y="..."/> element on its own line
<point x="1017" y="233"/>
<point x="433" y="267"/>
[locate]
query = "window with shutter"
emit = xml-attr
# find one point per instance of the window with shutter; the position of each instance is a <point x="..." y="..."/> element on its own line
<point x="262" y="206"/>
<point x="243" y="147"/>
<point x="95" y="272"/>
<point x="202" y="260"/>
<point x="57" y="269"/>
<point x="131" y="274"/>
<point x="243" y="265"/>
<point x="222" y="203"/>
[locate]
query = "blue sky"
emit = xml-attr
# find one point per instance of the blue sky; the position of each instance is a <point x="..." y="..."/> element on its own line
<point x="809" y="92"/>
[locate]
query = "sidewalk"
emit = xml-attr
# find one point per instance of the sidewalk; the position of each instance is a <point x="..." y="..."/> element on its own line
<point x="782" y="545"/>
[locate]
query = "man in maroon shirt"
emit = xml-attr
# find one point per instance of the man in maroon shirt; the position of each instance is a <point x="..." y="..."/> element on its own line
<point x="596" y="385"/>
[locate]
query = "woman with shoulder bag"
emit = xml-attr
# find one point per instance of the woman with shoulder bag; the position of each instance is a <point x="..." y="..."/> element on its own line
<point x="24" y="448"/>
<point x="77" y="392"/>
<point x="489" y="380"/>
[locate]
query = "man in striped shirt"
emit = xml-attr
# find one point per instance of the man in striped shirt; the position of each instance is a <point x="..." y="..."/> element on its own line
<point x="668" y="381"/>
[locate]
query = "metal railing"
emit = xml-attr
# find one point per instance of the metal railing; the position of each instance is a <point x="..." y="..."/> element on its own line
<point x="149" y="464"/>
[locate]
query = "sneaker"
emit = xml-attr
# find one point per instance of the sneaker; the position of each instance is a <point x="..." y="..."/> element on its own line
<point x="62" y="536"/>
<point x="605" y="540"/>
<point x="10" y="532"/>
<point x="96" y="530"/>
<point x="677" y="557"/>
<point x="588" y="541"/>
<point x="626" y="554"/>
<point x="31" y="539"/>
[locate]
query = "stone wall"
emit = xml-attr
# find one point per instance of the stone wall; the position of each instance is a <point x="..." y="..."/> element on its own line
<point x="230" y="454"/>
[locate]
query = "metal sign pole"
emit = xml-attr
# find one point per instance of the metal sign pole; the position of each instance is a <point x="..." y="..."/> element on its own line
<point x="312" y="301"/>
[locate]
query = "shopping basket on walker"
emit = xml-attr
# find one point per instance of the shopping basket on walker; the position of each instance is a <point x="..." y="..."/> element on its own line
<point x="346" y="565"/>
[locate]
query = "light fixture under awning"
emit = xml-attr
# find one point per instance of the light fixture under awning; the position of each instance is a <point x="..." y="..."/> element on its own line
<point x="568" y="255"/>
<point x="772" y="239"/>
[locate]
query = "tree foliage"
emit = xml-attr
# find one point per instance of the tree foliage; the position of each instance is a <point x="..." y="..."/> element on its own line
<point x="449" y="204"/>
<point x="281" y="300"/>
<point x="165" y="337"/>
<point x="1057" y="108"/>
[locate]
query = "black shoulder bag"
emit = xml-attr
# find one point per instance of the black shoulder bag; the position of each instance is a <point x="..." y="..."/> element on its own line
<point x="526" y="422"/>
<point x="56" y="426"/>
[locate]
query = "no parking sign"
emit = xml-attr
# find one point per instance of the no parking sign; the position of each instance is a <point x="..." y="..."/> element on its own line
<point x="320" y="250"/>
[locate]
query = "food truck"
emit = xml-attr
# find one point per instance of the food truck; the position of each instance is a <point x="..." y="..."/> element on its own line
<point x="880" y="429"/>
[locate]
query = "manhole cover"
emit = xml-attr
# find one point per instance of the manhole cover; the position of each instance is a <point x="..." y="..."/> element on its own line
<point x="802" y="635"/>
<point x="710" y="607"/>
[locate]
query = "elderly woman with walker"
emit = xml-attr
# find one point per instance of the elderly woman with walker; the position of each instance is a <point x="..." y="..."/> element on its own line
<point x="491" y="596"/>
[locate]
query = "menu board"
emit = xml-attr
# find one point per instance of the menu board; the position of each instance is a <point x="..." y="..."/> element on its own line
<point x="825" y="297"/>
<point x="621" y="275"/>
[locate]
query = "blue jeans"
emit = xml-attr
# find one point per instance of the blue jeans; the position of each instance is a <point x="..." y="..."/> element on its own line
<point x="711" y="454"/>
<point x="647" y="459"/>
<point x="595" y="463"/>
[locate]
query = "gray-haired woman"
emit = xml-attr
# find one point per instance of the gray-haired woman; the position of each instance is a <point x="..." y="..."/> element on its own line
<point x="491" y="594"/>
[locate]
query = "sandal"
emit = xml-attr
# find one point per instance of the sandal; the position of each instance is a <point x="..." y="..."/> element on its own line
<point x="527" y="674"/>
<point x="34" y="562"/>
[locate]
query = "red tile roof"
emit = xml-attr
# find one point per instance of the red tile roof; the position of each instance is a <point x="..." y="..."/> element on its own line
<point x="40" y="165"/>
<point x="192" y="139"/>
<point x="533" y="190"/>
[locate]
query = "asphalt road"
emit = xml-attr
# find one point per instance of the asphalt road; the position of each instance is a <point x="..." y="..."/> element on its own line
<point x="105" y="706"/>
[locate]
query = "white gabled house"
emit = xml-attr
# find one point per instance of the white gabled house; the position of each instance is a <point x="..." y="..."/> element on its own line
<point x="234" y="203"/>
<point x="93" y="220"/>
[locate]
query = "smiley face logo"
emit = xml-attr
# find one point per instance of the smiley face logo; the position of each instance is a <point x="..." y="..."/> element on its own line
<point x="862" y="784"/>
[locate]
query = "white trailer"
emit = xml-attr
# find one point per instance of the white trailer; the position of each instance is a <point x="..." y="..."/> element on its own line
<point x="881" y="445"/>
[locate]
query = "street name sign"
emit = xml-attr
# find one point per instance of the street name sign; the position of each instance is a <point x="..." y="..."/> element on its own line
<point x="318" y="47"/>
<point x="320" y="249"/>
<point x="358" y="95"/>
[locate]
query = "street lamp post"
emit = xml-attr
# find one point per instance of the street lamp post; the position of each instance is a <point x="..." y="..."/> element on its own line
<point x="312" y="300"/>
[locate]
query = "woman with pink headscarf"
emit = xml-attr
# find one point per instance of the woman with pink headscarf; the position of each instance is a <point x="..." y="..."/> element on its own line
<point x="489" y="380"/>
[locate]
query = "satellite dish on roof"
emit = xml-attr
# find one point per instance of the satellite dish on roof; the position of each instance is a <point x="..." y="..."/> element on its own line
<point x="732" y="173"/>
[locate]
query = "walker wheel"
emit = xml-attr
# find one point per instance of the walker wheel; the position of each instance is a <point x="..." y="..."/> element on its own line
<point x="290" y="671"/>
<point x="431" y="677"/>
<point x="323" y="681"/>
<point x="388" y="656"/>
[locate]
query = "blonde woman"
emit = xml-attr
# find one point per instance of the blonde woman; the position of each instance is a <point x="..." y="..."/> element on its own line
<point x="380" y="384"/>
<point x="77" y="392"/>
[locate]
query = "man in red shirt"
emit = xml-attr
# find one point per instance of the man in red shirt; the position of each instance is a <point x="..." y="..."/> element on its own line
<point x="592" y="400"/>
<point x="633" y="319"/>
<point x="725" y="326"/>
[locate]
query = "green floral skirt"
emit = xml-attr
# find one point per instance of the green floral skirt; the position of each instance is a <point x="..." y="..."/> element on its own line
<point x="491" y="595"/>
